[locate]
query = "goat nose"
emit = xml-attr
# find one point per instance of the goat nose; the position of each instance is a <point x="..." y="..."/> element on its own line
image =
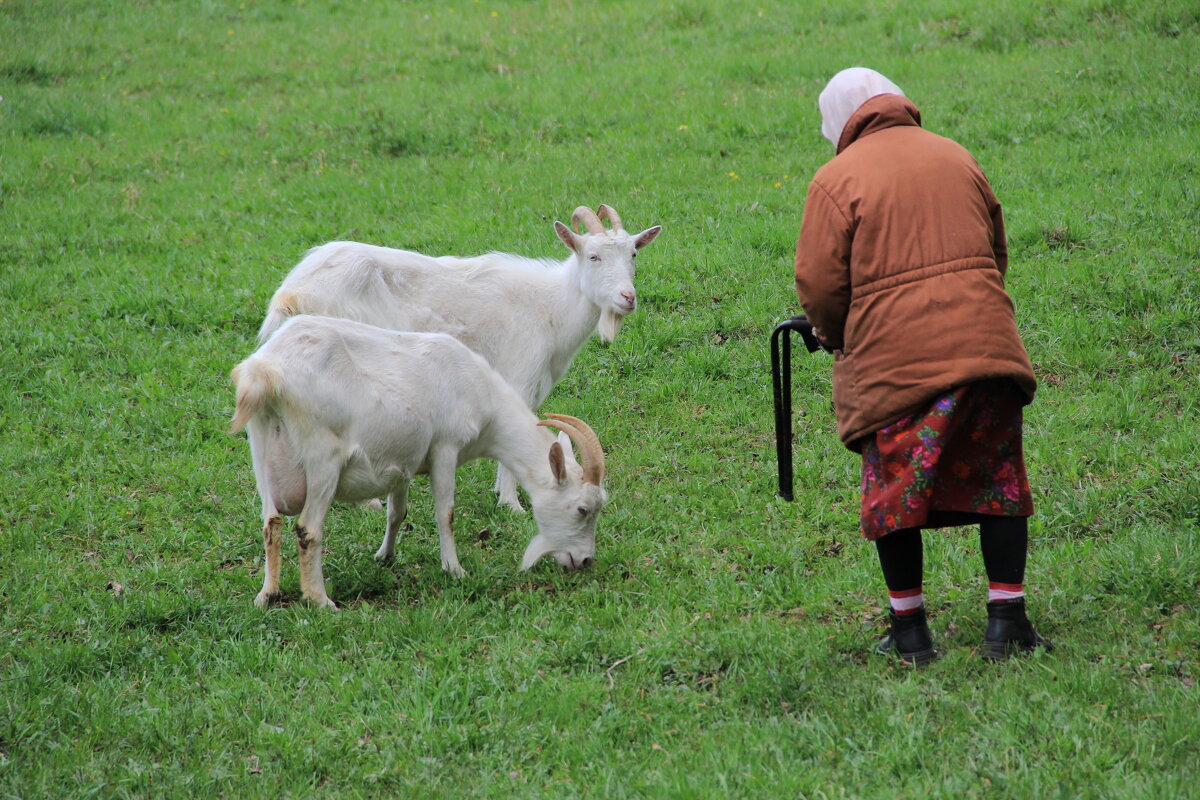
<point x="587" y="562"/>
<point x="629" y="297"/>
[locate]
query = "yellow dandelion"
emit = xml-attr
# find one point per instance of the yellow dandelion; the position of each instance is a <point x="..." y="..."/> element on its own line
<point x="495" y="13"/>
<point x="733" y="175"/>
<point x="683" y="127"/>
<point x="778" y="184"/>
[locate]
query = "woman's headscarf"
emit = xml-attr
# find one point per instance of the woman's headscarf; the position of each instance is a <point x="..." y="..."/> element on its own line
<point x="844" y="93"/>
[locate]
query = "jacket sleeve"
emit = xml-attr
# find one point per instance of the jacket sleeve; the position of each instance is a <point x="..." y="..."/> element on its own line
<point x="823" y="265"/>
<point x="999" y="242"/>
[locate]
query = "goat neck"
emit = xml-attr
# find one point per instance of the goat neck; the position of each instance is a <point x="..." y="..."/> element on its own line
<point x="516" y="441"/>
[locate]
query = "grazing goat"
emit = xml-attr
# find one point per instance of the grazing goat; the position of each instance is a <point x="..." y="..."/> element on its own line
<point x="341" y="410"/>
<point x="527" y="317"/>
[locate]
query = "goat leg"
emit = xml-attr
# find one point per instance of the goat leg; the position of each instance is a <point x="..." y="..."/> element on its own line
<point x="272" y="530"/>
<point x="310" y="533"/>
<point x="441" y="477"/>
<point x="506" y="489"/>
<point x="397" y="510"/>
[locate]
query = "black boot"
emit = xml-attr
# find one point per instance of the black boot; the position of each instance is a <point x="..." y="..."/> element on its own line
<point x="909" y="638"/>
<point x="1009" y="631"/>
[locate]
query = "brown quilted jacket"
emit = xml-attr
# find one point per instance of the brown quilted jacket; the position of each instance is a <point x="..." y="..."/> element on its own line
<point x="900" y="265"/>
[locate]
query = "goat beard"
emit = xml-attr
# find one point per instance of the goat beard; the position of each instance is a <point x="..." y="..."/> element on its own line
<point x="609" y="325"/>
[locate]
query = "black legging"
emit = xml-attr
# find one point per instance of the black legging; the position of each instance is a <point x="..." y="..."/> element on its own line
<point x="1004" y="542"/>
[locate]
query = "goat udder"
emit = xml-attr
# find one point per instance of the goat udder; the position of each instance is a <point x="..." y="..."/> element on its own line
<point x="289" y="503"/>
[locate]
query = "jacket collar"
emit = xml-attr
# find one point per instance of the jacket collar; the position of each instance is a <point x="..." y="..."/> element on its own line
<point x="879" y="113"/>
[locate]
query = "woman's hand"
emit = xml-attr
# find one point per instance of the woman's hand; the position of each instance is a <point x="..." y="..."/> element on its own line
<point x="821" y="339"/>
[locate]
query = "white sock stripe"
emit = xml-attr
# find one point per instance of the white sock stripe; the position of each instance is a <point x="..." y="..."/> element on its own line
<point x="907" y="603"/>
<point x="1004" y="594"/>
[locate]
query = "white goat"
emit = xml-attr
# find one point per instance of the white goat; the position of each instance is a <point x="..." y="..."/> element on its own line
<point x="527" y="317"/>
<point x="340" y="410"/>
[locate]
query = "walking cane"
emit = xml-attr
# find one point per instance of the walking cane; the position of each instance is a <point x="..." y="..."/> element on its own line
<point x="781" y="382"/>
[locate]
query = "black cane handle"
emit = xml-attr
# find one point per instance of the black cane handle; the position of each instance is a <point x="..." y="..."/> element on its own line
<point x="802" y="326"/>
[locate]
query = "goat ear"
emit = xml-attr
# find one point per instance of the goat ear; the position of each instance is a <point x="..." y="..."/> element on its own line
<point x="647" y="236"/>
<point x="567" y="235"/>
<point x="565" y="441"/>
<point x="558" y="463"/>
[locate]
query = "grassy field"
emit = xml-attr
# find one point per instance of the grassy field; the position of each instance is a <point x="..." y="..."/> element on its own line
<point x="162" y="165"/>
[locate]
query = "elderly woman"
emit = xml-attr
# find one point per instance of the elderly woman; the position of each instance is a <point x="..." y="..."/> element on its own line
<point x="900" y="266"/>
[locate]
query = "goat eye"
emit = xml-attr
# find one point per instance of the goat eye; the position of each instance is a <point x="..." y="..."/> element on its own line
<point x="593" y="257"/>
<point x="584" y="511"/>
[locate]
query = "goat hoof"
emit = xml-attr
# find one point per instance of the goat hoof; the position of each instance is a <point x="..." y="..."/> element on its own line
<point x="456" y="571"/>
<point x="265" y="599"/>
<point x="385" y="556"/>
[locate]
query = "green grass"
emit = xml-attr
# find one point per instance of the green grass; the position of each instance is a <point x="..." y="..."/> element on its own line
<point x="162" y="165"/>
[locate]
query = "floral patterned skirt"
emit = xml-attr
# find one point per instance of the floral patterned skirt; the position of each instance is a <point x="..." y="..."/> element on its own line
<point x="947" y="464"/>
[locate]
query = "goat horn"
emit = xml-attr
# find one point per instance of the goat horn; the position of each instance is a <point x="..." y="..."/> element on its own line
<point x="608" y="213"/>
<point x="590" y="451"/>
<point x="588" y="218"/>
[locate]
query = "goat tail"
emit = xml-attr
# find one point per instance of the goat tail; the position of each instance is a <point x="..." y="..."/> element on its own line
<point x="284" y="306"/>
<point x="257" y="383"/>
